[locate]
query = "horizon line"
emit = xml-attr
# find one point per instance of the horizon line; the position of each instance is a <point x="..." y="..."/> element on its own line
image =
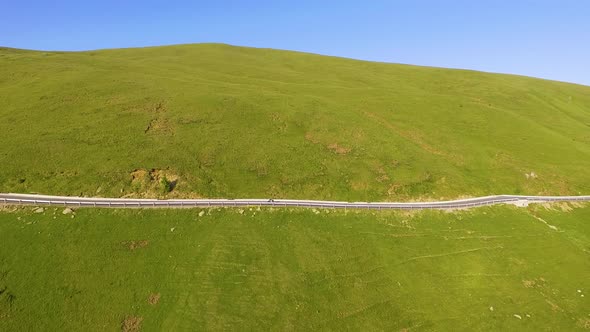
<point x="297" y="51"/>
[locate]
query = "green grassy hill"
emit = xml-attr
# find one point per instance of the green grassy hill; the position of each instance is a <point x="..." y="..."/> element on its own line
<point x="224" y="121"/>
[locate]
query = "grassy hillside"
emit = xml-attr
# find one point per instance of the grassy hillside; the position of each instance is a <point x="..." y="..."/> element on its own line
<point x="223" y="121"/>
<point x="271" y="270"/>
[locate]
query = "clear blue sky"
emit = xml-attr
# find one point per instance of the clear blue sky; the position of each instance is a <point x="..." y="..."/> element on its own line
<point x="549" y="39"/>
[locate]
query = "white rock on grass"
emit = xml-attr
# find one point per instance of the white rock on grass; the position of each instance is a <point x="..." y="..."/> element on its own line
<point x="518" y="316"/>
<point x="202" y="213"/>
<point x="67" y="211"/>
<point x="39" y="210"/>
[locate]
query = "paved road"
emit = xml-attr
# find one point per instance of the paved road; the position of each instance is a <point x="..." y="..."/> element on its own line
<point x="26" y="199"/>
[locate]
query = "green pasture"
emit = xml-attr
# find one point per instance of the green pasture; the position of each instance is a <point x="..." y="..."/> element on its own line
<point x="498" y="268"/>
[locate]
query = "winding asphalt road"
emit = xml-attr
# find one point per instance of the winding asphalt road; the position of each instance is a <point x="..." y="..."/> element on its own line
<point x="38" y="200"/>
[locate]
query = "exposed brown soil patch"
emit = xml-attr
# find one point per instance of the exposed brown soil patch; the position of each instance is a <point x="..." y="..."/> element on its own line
<point x="310" y="137"/>
<point x="334" y="147"/>
<point x="139" y="174"/>
<point x="159" y="124"/>
<point x="359" y="185"/>
<point x="381" y="174"/>
<point x="148" y="183"/>
<point x="154" y="298"/>
<point x="529" y="283"/>
<point x="561" y="206"/>
<point x="9" y="208"/>
<point x="338" y="148"/>
<point x="584" y="323"/>
<point x="553" y="306"/>
<point x="393" y="189"/>
<point x="131" y="324"/>
<point x="132" y="245"/>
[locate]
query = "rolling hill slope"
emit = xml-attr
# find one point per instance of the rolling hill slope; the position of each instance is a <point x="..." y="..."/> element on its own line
<point x="224" y="121"/>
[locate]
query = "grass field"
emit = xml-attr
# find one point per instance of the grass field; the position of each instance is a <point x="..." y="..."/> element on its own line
<point x="299" y="270"/>
<point x="213" y="120"/>
<point x="223" y="121"/>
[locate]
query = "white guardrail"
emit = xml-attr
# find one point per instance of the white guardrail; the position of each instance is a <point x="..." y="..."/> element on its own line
<point x="70" y="201"/>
